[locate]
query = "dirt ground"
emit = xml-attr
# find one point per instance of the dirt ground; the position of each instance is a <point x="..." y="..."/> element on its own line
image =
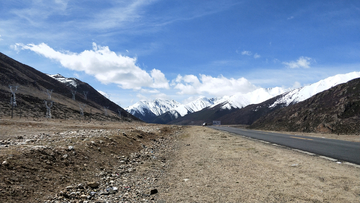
<point x="40" y="160"/>
<point x="215" y="166"/>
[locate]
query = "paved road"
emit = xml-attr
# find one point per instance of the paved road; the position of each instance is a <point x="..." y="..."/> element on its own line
<point x="337" y="149"/>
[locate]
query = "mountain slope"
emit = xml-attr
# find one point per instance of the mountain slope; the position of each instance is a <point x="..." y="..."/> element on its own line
<point x="207" y="115"/>
<point x="240" y="100"/>
<point x="149" y="110"/>
<point x="35" y="87"/>
<point x="250" y="113"/>
<point x="336" y="110"/>
<point x="303" y="93"/>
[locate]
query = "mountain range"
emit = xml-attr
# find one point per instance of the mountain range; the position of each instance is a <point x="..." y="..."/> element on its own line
<point x="329" y="105"/>
<point x="38" y="95"/>
<point x="236" y="109"/>
<point x="163" y="111"/>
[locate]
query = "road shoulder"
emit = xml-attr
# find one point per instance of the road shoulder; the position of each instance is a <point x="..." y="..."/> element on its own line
<point x="215" y="166"/>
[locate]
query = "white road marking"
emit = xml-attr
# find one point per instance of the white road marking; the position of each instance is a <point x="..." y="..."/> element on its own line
<point x="351" y="164"/>
<point x="305" y="152"/>
<point x="328" y="158"/>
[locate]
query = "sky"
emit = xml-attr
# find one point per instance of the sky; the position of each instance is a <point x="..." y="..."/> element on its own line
<point x="132" y="50"/>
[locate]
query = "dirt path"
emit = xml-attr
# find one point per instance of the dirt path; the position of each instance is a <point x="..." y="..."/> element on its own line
<point x="214" y="166"/>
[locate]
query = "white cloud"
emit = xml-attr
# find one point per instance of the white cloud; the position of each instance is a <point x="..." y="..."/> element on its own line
<point x="159" y="79"/>
<point x="302" y="62"/>
<point x="276" y="60"/>
<point x="152" y="96"/>
<point x="142" y="97"/>
<point x="204" y="84"/>
<point x="77" y="76"/>
<point x="247" y="53"/>
<point x="37" y="11"/>
<point x="105" y="65"/>
<point x="296" y="85"/>
<point x="150" y="91"/>
<point x="119" y="14"/>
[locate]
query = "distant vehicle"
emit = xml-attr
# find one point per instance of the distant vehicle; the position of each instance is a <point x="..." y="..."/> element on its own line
<point x="205" y="124"/>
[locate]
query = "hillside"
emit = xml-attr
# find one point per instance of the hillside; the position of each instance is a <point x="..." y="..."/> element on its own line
<point x="245" y="116"/>
<point x="236" y="109"/>
<point x="250" y="113"/>
<point x="336" y="110"/>
<point x="32" y="88"/>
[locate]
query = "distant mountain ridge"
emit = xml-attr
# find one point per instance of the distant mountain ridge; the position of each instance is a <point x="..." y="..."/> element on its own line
<point x="250" y="113"/>
<point x="160" y="110"/>
<point x="149" y="110"/>
<point x="253" y="104"/>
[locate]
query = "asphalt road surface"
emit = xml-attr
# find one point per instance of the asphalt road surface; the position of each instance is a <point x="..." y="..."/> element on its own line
<point x="337" y="149"/>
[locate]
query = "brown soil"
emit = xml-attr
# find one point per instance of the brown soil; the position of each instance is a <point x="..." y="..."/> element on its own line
<point x="40" y="159"/>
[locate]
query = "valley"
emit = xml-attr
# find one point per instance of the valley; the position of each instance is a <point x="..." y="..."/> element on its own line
<point x="72" y="161"/>
<point x="63" y="141"/>
<point x="179" y="101"/>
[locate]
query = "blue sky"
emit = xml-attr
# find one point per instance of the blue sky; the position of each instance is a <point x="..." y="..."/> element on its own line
<point x="183" y="49"/>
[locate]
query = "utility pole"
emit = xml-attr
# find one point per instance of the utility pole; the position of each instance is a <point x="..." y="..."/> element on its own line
<point x="73" y="92"/>
<point x="85" y="94"/>
<point x="82" y="106"/>
<point x="48" y="108"/>
<point x="106" y="108"/>
<point x="49" y="92"/>
<point x="13" y="99"/>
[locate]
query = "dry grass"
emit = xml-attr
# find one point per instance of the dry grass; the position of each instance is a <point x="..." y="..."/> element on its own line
<point x="215" y="166"/>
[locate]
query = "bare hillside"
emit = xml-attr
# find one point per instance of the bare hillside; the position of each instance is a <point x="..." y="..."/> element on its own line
<point x="336" y="110"/>
<point x="33" y="88"/>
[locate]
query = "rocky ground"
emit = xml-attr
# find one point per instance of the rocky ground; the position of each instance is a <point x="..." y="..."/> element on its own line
<point x="83" y="162"/>
<point x="68" y="161"/>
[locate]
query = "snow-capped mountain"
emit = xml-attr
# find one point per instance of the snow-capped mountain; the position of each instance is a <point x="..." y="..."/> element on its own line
<point x="149" y="110"/>
<point x="157" y="107"/>
<point x="303" y="93"/>
<point x="251" y="113"/>
<point x="240" y="100"/>
<point x="195" y="105"/>
<point x="68" y="81"/>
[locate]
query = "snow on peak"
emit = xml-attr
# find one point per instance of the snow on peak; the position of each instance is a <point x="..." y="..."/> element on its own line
<point x="240" y="100"/>
<point x="194" y="106"/>
<point x="160" y="106"/>
<point x="303" y="93"/>
<point x="157" y="106"/>
<point x="62" y="79"/>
